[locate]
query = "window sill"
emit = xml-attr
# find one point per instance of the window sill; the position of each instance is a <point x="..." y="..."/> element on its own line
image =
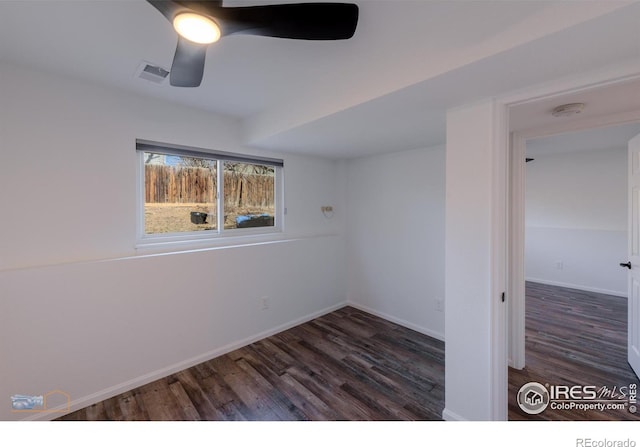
<point x="191" y="241"/>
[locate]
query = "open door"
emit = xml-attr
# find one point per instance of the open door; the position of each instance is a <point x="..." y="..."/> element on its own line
<point x="633" y="264"/>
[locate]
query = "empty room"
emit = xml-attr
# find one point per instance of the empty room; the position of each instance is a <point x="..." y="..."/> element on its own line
<point x="316" y="214"/>
<point x="576" y="221"/>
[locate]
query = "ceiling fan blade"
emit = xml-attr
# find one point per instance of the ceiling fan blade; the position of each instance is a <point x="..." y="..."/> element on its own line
<point x="188" y="64"/>
<point x="307" y="21"/>
<point x="167" y="8"/>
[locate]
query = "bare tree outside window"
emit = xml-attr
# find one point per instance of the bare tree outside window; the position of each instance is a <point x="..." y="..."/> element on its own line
<point x="249" y="195"/>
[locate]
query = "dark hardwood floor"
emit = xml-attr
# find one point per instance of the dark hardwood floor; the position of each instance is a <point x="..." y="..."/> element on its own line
<point x="347" y="365"/>
<point x="350" y="365"/>
<point x="573" y="338"/>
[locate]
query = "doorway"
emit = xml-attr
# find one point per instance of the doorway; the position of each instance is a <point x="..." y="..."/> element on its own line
<point x="576" y="235"/>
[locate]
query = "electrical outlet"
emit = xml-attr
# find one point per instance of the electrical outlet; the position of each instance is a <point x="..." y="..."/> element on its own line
<point x="559" y="265"/>
<point x="265" y="302"/>
<point x="439" y="304"/>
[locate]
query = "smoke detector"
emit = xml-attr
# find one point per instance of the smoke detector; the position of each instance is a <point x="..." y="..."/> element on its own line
<point x="568" y="109"/>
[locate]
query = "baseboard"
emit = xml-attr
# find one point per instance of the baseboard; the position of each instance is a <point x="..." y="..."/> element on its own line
<point x="449" y="415"/>
<point x="107" y="393"/>
<point x="577" y="286"/>
<point x="400" y="321"/>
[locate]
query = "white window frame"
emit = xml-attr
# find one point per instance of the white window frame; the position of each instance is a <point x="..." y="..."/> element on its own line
<point x="219" y="234"/>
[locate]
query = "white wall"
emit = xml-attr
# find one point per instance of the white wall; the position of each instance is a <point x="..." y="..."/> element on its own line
<point x="92" y="329"/>
<point x="396" y="237"/>
<point x="576" y="215"/>
<point x="475" y="320"/>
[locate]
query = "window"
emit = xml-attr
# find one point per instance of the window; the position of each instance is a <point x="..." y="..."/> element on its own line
<point x="180" y="189"/>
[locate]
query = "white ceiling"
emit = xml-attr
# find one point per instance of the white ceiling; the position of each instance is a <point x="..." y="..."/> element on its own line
<point x="617" y="98"/>
<point x="603" y="138"/>
<point x="386" y="89"/>
<point x="611" y="117"/>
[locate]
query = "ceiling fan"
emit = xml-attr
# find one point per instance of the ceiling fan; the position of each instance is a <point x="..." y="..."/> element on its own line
<point x="200" y="23"/>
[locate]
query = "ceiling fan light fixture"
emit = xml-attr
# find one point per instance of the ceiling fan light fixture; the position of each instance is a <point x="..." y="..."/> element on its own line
<point x="202" y="22"/>
<point x="196" y="28"/>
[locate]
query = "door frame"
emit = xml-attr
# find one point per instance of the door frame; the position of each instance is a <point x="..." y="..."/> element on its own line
<point x="516" y="277"/>
<point x="510" y="152"/>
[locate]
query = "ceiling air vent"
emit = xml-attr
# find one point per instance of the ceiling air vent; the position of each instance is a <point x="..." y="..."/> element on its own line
<point x="151" y="73"/>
